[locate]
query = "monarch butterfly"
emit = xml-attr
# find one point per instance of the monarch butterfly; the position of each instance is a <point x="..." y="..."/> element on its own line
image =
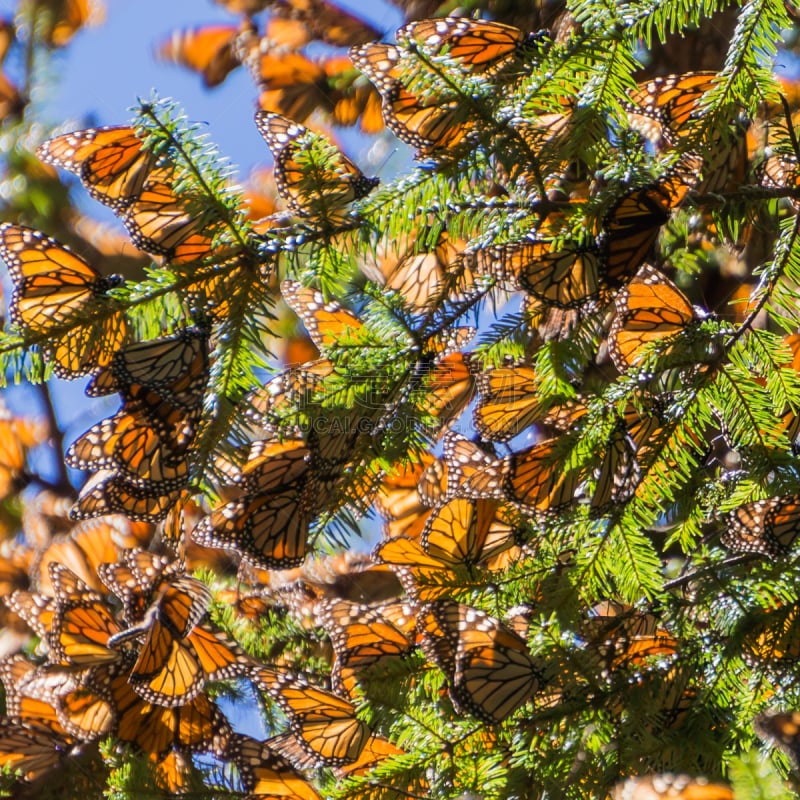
<point x="726" y="159"/>
<point x="264" y="772"/>
<point x="508" y="401"/>
<point x="244" y="6"/>
<point x="568" y="277"/>
<point x="291" y="84"/>
<point x="293" y="388"/>
<point x="141" y="451"/>
<point x="53" y="287"/>
<point x="328" y="22"/>
<point x="365" y="635"/>
<point x="175" y="367"/>
<point x="425" y="577"/>
<point x="267" y="530"/>
<point x="313" y="177"/>
<point x="296" y="86"/>
<point x="625" y="637"/>
<point x="30" y="692"/>
<point x="670" y="787"/>
<point x="532" y="477"/>
<point x="662" y="107"/>
<point x="769" y="527"/>
<point x="108" y="492"/>
<point x="407" y="494"/>
<point x="31" y="748"/>
<point x="111" y="162"/>
<point x="771" y="636"/>
<point x="435" y="124"/>
<point x="13" y="452"/>
<point x="118" y="172"/>
<point x="47" y="694"/>
<point x="489" y="669"/>
<point x="268" y="526"/>
<point x="327" y="323"/>
<point x="82" y="550"/>
<point x="783" y="728"/>
<point x="82" y="623"/>
<point x="425" y="278"/>
<point x="160" y="222"/>
<point x="66" y="18"/>
<point x="618" y="474"/>
<point x="357" y="102"/>
<point x="171" y="411"/>
<point x="478" y="46"/>
<point x="208" y="50"/>
<point x="16" y="564"/>
<point x="86" y="715"/>
<point x="137" y="448"/>
<point x="330" y="324"/>
<point x="631" y="226"/>
<point x="323" y="728"/>
<point x="176" y="656"/>
<point x="172" y="670"/>
<point x="197" y="726"/>
<point x="12" y="102"/>
<point x="449" y="388"/>
<point x="469" y="532"/>
<point x="36" y="610"/>
<point x="780" y="172"/>
<point x="645" y="425"/>
<point x="462" y="459"/>
<point x="650" y="308"/>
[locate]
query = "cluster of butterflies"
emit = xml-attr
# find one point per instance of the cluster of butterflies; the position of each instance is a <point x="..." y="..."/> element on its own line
<point x="134" y="667"/>
<point x="127" y="653"/>
<point x="290" y="82"/>
<point x="135" y="663"/>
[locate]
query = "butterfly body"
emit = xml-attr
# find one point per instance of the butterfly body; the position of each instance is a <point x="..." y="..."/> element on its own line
<point x="314" y="178"/>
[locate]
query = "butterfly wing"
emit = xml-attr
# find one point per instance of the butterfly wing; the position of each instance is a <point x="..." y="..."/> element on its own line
<point x="110" y="162"/>
<point x="53" y="288"/>
<point x="650" y="308"/>
<point x="769" y="527"/>
<point x="312" y="176"/>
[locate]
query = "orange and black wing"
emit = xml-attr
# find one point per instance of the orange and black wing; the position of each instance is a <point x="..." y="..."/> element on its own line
<point x="312" y="175"/>
<point x="649" y="309"/>
<point x="53" y="288"/>
<point x="769" y="527"/>
<point x="111" y="162"/>
<point x="322" y="724"/>
<point x="431" y="125"/>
